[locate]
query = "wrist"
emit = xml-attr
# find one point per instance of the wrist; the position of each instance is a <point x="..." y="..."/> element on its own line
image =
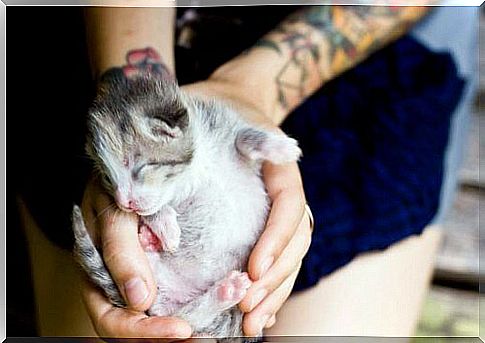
<point x="112" y="32"/>
<point x="250" y="78"/>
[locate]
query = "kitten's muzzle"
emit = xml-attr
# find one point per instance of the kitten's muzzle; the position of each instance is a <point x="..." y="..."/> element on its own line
<point x="132" y="206"/>
<point x="147" y="212"/>
<point x="128" y="207"/>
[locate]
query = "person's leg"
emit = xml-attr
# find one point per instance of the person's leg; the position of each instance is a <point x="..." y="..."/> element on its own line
<point x="377" y="294"/>
<point x="60" y="311"/>
<point x="380" y="293"/>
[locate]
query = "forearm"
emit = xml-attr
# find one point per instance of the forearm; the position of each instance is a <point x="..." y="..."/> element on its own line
<point x="311" y="47"/>
<point x="113" y="32"/>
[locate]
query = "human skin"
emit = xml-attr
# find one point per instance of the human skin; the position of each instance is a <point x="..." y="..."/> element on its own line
<point x="258" y="85"/>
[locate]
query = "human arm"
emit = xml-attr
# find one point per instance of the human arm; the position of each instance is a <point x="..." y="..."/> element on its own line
<point x="309" y="48"/>
<point x="248" y="82"/>
<point x="118" y="38"/>
<point x="316" y="44"/>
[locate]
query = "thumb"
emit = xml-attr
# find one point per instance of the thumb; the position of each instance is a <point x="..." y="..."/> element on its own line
<point x="126" y="260"/>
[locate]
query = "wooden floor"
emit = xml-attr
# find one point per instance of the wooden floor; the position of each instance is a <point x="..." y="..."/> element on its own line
<point x="449" y="311"/>
<point x="458" y="256"/>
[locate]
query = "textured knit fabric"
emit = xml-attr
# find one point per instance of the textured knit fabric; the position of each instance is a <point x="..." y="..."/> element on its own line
<point x="373" y="143"/>
<point x="373" y="139"/>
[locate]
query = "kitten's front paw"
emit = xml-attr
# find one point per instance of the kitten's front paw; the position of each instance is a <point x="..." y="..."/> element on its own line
<point x="232" y="289"/>
<point x="170" y="230"/>
<point x="171" y="238"/>
<point x="165" y="226"/>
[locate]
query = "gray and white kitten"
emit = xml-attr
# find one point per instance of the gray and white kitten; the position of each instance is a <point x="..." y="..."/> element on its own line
<point x="192" y="171"/>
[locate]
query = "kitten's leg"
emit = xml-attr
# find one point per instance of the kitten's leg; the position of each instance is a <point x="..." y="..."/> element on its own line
<point x="91" y="261"/>
<point x="165" y="226"/>
<point x="258" y="144"/>
<point x="226" y="293"/>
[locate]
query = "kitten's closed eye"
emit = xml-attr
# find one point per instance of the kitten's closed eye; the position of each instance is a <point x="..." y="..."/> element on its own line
<point x="147" y="166"/>
<point x="154" y="164"/>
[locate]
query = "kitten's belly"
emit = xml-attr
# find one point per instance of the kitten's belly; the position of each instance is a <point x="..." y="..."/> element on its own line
<point x="218" y="231"/>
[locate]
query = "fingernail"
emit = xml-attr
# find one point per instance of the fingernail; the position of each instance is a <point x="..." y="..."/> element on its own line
<point x="264" y="320"/>
<point x="136" y="291"/>
<point x="257" y="298"/>
<point x="265" y="266"/>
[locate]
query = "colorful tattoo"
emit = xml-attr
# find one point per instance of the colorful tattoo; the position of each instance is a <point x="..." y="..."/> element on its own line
<point x="144" y="61"/>
<point x="320" y="42"/>
<point x="140" y="62"/>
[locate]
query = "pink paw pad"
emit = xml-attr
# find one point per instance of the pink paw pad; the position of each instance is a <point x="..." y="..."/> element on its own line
<point x="148" y="240"/>
<point x="234" y="287"/>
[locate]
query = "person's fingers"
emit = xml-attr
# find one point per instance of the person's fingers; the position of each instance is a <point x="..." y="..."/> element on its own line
<point x="125" y="258"/>
<point x="256" y="320"/>
<point x="285" y="189"/>
<point x="110" y="321"/>
<point x="116" y="234"/>
<point x="286" y="264"/>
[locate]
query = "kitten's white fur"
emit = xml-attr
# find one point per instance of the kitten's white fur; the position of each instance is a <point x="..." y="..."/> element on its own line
<point x="208" y="216"/>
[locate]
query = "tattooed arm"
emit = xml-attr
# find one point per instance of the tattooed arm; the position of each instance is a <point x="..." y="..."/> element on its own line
<point x="311" y="47"/>
<point x="265" y="84"/>
<point x="131" y="41"/>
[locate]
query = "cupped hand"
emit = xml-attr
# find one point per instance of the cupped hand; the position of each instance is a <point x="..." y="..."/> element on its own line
<point x="276" y="259"/>
<point x="273" y="264"/>
<point x="115" y="233"/>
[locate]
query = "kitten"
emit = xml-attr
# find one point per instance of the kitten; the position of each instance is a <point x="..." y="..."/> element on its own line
<point x="191" y="170"/>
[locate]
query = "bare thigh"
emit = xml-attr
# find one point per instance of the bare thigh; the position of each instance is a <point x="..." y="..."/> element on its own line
<point x="377" y="294"/>
<point x="60" y="310"/>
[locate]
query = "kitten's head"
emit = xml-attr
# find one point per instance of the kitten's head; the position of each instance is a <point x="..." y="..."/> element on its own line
<point x="140" y="140"/>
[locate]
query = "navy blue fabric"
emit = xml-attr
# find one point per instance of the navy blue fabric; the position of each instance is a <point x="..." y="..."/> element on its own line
<point x="373" y="143"/>
<point x="373" y="139"/>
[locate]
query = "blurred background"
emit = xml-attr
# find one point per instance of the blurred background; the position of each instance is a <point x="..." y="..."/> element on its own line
<point x="451" y="308"/>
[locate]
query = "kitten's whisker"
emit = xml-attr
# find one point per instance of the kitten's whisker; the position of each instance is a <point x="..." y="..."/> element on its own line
<point x="110" y="206"/>
<point x="103" y="211"/>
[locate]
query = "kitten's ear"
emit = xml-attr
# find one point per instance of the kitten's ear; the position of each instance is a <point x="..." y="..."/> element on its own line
<point x="160" y="129"/>
<point x="168" y="122"/>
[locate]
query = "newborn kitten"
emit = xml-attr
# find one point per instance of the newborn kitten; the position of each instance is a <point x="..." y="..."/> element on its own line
<point x="191" y="170"/>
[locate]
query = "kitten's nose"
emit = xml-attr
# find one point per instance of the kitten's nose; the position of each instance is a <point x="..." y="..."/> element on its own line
<point x="132" y="205"/>
<point x="125" y="203"/>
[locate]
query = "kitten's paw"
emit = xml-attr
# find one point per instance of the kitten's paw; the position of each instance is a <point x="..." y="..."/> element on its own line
<point x="279" y="149"/>
<point x="269" y="146"/>
<point x="148" y="240"/>
<point x="232" y="289"/>
<point x="170" y="237"/>
<point x="165" y="226"/>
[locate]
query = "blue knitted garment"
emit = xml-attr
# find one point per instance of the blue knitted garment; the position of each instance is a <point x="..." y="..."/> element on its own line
<point x="373" y="143"/>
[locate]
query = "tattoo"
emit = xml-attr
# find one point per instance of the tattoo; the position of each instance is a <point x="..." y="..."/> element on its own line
<point x="141" y="62"/>
<point x="319" y="42"/>
<point x="301" y="48"/>
<point x="144" y="61"/>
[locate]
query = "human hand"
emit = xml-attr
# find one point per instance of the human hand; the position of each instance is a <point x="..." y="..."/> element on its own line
<point x="276" y="259"/>
<point x="116" y="234"/>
